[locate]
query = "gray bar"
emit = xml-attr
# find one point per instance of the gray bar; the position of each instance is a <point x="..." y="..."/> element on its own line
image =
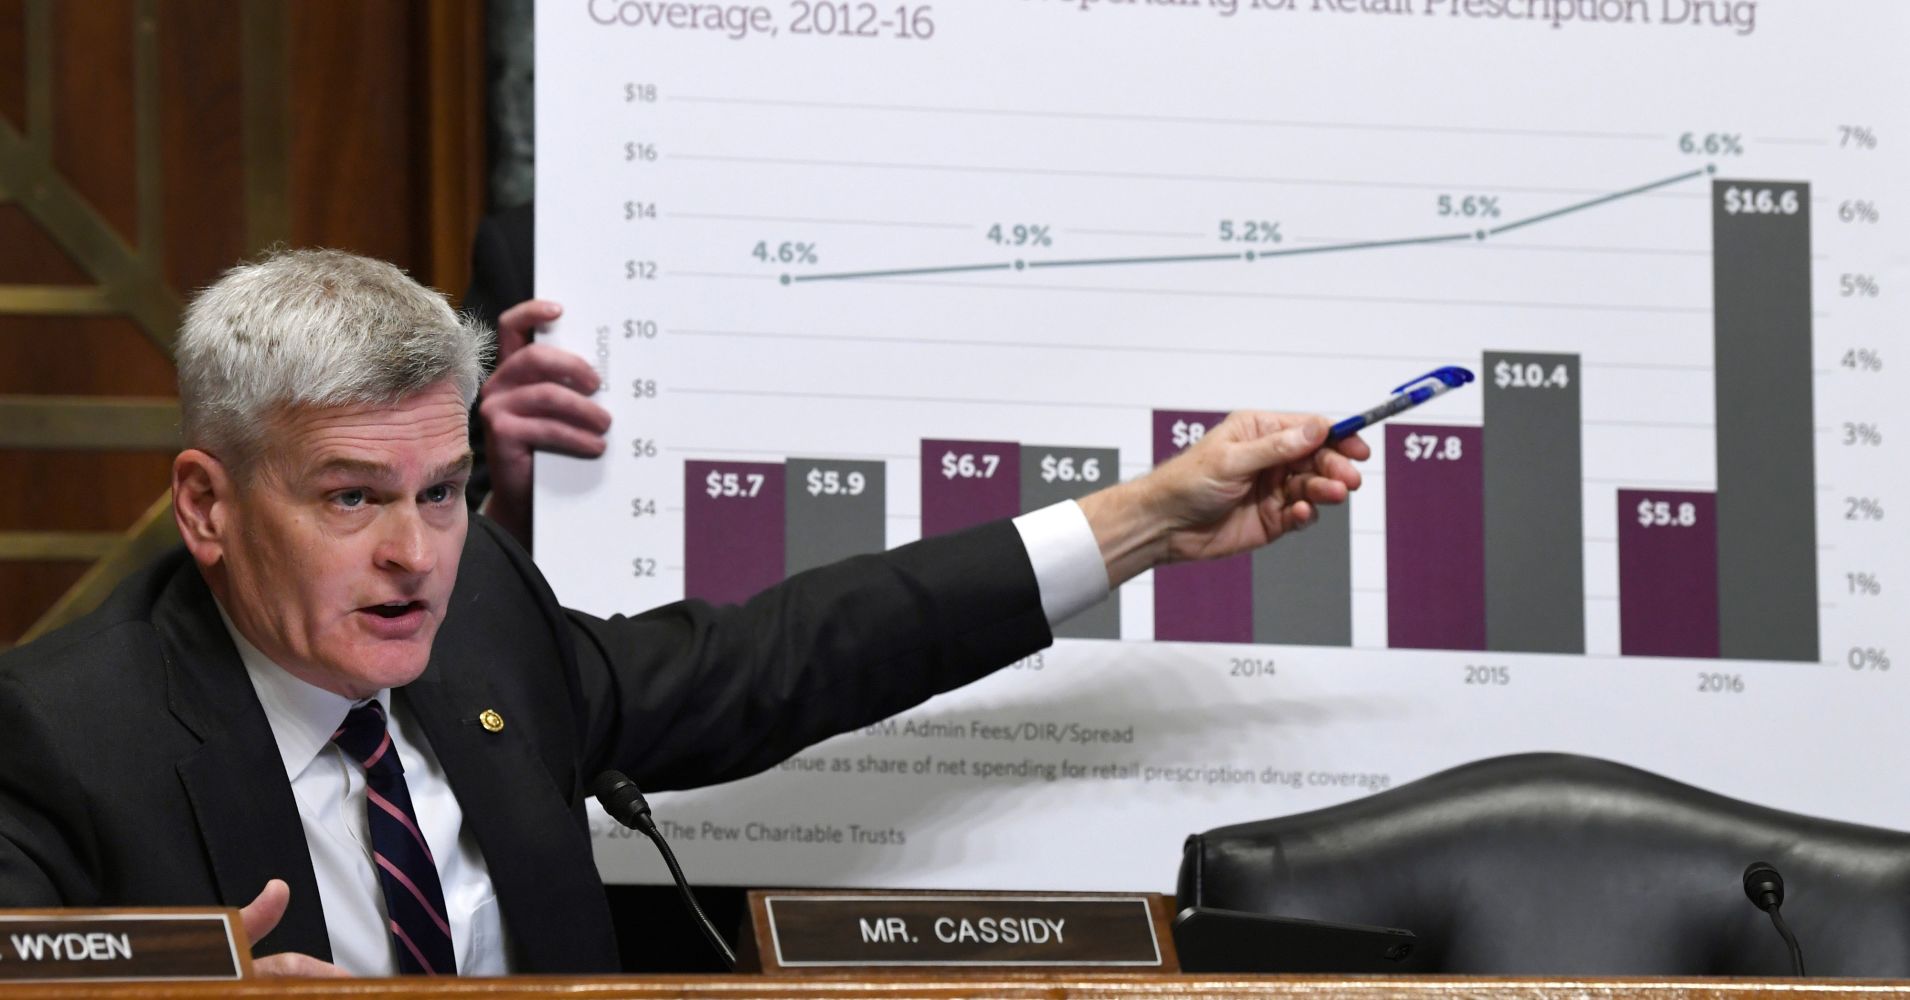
<point x="1535" y="498"/>
<point x="1767" y="496"/>
<point x="1050" y="475"/>
<point x="1303" y="585"/>
<point x="835" y="510"/>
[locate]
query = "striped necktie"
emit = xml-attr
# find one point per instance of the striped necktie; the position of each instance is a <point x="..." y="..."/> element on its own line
<point x="414" y="900"/>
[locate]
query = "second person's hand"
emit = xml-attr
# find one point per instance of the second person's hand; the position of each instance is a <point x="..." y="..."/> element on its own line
<point x="537" y="399"/>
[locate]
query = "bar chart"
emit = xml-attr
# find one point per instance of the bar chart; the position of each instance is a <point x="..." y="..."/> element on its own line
<point x="887" y="288"/>
<point x="1767" y="542"/>
<point x="1435" y="537"/>
<point x="749" y="525"/>
<point x="1484" y="536"/>
<point x="965" y="483"/>
<point x="1668" y="573"/>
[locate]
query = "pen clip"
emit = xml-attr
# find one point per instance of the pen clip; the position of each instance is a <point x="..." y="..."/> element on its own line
<point x="1450" y="376"/>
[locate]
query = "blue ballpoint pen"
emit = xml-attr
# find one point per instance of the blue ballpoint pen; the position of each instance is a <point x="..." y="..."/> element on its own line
<point x="1434" y="383"/>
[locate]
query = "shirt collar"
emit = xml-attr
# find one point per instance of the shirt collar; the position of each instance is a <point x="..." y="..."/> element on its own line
<point x="303" y="717"/>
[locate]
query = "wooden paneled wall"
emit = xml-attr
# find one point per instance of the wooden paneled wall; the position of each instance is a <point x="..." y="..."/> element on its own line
<point x="145" y="146"/>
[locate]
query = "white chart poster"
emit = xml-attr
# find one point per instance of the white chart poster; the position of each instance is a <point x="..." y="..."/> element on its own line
<point x="860" y="272"/>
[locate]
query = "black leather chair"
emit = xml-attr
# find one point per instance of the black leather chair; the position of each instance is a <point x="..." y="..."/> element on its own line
<point x="1553" y="864"/>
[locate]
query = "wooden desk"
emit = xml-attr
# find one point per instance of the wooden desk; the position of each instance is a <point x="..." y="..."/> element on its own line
<point x="1032" y="986"/>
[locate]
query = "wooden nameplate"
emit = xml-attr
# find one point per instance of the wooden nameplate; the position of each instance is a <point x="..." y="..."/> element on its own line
<point x="802" y="931"/>
<point x="122" y="945"/>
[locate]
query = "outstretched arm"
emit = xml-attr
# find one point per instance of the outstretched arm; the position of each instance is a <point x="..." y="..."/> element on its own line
<point x="1253" y="478"/>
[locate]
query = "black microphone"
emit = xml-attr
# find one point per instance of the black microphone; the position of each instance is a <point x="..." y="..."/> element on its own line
<point x="623" y="800"/>
<point x="1766" y="888"/>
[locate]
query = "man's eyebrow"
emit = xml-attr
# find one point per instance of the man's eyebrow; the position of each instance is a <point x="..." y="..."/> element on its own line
<point x="461" y="465"/>
<point x="354" y="467"/>
<point x="378" y="470"/>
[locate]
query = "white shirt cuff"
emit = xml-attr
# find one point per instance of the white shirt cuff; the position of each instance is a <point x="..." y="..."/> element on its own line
<point x="1069" y="570"/>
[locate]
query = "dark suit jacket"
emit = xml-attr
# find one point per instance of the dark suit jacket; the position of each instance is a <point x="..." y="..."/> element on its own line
<point x="137" y="768"/>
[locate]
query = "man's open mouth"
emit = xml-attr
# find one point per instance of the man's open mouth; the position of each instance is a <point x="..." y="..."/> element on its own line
<point x="396" y="609"/>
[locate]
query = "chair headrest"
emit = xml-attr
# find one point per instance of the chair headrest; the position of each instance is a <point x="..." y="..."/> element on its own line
<point x="1558" y="863"/>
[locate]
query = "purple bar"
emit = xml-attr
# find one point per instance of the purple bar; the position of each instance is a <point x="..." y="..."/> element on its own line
<point x="965" y="483"/>
<point x="732" y="529"/>
<point x="1435" y="537"/>
<point x="1667" y="573"/>
<point x="1206" y="601"/>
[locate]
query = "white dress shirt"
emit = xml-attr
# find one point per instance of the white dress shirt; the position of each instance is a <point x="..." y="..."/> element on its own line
<point x="1069" y="570"/>
<point x="330" y="787"/>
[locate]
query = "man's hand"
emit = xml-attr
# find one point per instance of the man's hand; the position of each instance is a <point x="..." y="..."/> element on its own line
<point x="537" y="399"/>
<point x="259" y="918"/>
<point x="1250" y="480"/>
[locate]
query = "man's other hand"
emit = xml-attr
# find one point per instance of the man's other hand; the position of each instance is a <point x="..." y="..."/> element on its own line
<point x="537" y="399"/>
<point x="1250" y="480"/>
<point x="260" y="917"/>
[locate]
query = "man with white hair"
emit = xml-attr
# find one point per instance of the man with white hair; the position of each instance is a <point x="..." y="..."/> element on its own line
<point x="359" y="712"/>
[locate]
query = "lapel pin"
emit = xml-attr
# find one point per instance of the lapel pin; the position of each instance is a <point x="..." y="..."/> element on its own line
<point x="491" y="721"/>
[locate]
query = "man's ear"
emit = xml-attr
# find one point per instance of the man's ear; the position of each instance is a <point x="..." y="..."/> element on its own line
<point x="202" y="496"/>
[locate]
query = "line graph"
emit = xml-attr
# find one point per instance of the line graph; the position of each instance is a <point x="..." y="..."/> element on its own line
<point x="850" y="292"/>
<point x="1250" y="256"/>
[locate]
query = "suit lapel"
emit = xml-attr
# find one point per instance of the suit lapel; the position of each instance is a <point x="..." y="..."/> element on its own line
<point x="548" y="892"/>
<point x="247" y="817"/>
